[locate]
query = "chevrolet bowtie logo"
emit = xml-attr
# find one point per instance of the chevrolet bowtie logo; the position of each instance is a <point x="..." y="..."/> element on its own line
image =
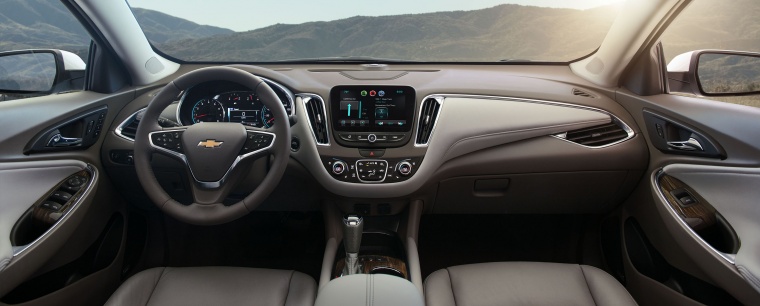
<point x="210" y="143"/>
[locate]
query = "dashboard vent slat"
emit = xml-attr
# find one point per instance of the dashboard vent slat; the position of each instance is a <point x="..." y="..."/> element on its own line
<point x="426" y="122"/>
<point x="582" y="93"/>
<point x="597" y="136"/>
<point x="315" y="109"/>
<point x="130" y="130"/>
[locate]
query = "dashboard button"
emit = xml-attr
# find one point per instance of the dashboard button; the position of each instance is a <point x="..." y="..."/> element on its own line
<point x="339" y="167"/>
<point x="372" y="153"/>
<point x="404" y="168"/>
<point x="372" y="138"/>
<point x="396" y="137"/>
<point x="347" y="136"/>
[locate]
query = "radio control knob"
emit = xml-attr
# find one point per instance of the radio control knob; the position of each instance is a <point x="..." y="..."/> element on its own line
<point x="339" y="167"/>
<point x="404" y="168"/>
<point x="371" y="137"/>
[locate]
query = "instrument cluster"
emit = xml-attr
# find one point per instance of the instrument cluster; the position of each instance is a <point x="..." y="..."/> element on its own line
<point x="229" y="102"/>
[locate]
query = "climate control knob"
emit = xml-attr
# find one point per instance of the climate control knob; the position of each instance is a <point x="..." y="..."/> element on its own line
<point x="339" y="167"/>
<point x="404" y="168"/>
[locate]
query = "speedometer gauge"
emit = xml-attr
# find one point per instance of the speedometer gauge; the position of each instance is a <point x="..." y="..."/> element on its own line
<point x="208" y="110"/>
<point x="266" y="117"/>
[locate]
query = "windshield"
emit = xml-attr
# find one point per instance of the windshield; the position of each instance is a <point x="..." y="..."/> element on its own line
<point x="390" y="30"/>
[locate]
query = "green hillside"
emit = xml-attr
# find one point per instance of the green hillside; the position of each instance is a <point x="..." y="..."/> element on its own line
<point x="499" y="33"/>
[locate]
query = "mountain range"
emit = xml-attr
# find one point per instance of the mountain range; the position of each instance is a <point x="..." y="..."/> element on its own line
<point x="504" y="32"/>
<point x="28" y="24"/>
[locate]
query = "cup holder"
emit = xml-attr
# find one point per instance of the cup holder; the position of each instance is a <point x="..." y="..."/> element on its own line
<point x="386" y="270"/>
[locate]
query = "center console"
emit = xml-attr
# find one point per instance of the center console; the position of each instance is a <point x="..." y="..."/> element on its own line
<point x="373" y="119"/>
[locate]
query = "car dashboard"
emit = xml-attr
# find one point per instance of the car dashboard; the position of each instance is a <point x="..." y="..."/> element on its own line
<point x="380" y="132"/>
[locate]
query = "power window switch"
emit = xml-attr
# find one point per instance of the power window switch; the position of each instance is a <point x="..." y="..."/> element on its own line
<point x="51" y="205"/>
<point x="687" y="200"/>
<point x="61" y="196"/>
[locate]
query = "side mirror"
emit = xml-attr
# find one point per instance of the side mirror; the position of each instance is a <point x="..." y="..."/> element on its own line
<point x="39" y="72"/>
<point x="715" y="73"/>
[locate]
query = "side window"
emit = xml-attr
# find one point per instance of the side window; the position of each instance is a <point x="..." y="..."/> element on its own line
<point x="43" y="49"/>
<point x="718" y="25"/>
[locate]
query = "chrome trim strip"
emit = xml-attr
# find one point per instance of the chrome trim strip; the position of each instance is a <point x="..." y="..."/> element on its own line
<point x="94" y="176"/>
<point x="305" y="98"/>
<point x="356" y="169"/>
<point x="126" y="122"/>
<point x="730" y="258"/>
<point x="183" y="158"/>
<point x="614" y="118"/>
<point x="439" y="99"/>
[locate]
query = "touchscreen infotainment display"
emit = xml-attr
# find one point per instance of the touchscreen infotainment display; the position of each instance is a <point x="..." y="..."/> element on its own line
<point x="372" y="108"/>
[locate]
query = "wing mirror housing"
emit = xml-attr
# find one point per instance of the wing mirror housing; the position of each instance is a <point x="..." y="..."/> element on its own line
<point x="715" y="73"/>
<point x="40" y="72"/>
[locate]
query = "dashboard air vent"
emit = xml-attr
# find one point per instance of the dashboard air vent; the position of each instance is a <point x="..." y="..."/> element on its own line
<point x="128" y="128"/>
<point x="315" y="109"/>
<point x="583" y="93"/>
<point x="427" y="119"/>
<point x="597" y="136"/>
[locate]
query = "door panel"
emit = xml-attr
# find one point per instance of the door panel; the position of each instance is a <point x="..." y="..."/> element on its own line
<point x="56" y="260"/>
<point x="734" y="193"/>
<point x="23" y="184"/>
<point x="725" y="182"/>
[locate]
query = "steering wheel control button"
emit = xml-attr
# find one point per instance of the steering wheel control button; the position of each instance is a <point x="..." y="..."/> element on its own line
<point x="404" y="168"/>
<point x="372" y="153"/>
<point x="371" y="170"/>
<point x="255" y="142"/>
<point x="371" y="138"/>
<point x="339" y="167"/>
<point x="169" y="140"/>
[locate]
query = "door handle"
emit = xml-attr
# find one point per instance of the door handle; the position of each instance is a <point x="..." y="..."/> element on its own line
<point x="59" y="141"/>
<point x="689" y="145"/>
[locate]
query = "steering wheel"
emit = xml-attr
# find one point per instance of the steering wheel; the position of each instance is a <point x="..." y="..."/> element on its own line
<point x="217" y="155"/>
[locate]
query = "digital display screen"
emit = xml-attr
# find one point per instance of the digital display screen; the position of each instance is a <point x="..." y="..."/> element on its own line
<point x="372" y="108"/>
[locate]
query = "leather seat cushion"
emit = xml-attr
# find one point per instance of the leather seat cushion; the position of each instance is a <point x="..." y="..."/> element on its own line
<point x="524" y="283"/>
<point x="216" y="286"/>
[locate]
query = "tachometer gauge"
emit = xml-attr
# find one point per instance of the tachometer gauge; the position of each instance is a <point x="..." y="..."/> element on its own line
<point x="266" y="117"/>
<point x="208" y="110"/>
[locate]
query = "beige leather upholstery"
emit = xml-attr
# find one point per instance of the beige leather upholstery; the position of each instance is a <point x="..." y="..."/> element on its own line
<point x="215" y="286"/>
<point x="369" y="290"/>
<point x="524" y="283"/>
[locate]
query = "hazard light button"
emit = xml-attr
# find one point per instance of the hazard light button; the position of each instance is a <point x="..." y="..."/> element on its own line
<point x="372" y="152"/>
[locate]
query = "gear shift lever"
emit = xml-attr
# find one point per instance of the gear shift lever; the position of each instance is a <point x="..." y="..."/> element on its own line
<point x="353" y="226"/>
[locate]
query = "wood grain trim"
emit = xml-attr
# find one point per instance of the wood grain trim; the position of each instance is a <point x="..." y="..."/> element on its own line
<point x="371" y="262"/>
<point x="702" y="210"/>
<point x="49" y="217"/>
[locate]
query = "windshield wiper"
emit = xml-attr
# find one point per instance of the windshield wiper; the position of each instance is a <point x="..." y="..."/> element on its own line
<point x="348" y="59"/>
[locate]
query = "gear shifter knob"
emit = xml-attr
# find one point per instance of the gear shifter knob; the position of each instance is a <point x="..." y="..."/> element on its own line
<point x="353" y="226"/>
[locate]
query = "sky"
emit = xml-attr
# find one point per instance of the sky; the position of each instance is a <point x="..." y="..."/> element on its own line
<point x="244" y="15"/>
